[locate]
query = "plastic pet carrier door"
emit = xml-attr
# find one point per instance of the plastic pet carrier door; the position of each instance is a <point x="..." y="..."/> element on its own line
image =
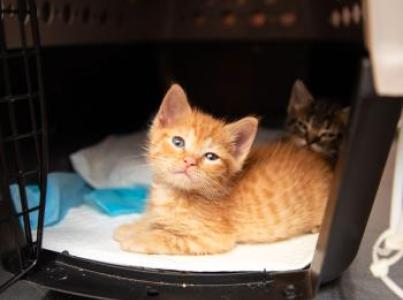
<point x="22" y="140"/>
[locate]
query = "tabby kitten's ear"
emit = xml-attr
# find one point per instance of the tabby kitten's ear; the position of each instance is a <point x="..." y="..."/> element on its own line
<point x="343" y="115"/>
<point x="300" y="98"/>
<point x="174" y="106"/>
<point x="243" y="133"/>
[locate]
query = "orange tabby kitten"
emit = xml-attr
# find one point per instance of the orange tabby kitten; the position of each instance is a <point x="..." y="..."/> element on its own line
<point x="211" y="191"/>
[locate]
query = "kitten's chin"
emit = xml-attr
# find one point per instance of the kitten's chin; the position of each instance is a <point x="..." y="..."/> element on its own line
<point x="178" y="180"/>
<point x="300" y="142"/>
<point x="181" y="181"/>
<point x="318" y="149"/>
<point x="184" y="184"/>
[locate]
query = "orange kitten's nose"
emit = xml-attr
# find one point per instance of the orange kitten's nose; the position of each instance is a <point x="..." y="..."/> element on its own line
<point x="189" y="161"/>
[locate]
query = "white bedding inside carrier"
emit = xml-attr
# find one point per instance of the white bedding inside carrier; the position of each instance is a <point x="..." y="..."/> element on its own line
<point x="86" y="233"/>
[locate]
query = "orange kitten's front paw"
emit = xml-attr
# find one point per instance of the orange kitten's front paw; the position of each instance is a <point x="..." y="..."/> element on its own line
<point x="134" y="245"/>
<point x="122" y="232"/>
<point x="125" y="231"/>
<point x="149" y="243"/>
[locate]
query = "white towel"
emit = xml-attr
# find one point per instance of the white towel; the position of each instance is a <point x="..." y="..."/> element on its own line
<point x="87" y="234"/>
<point x="117" y="161"/>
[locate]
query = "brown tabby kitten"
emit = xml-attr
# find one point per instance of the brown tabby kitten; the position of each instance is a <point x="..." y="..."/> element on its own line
<point x="317" y="125"/>
<point x="211" y="192"/>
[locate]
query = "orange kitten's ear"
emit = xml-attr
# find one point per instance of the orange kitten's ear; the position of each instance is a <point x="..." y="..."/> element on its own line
<point x="174" y="106"/>
<point x="243" y="133"/>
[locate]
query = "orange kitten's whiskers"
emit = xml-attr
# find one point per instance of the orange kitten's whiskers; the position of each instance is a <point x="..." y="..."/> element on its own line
<point x="145" y="148"/>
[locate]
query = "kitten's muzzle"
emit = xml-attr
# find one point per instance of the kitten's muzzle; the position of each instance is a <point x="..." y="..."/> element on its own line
<point x="189" y="162"/>
<point x="311" y="139"/>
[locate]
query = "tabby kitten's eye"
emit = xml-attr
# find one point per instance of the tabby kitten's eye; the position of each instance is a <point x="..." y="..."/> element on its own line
<point x="178" y="141"/>
<point x="301" y="125"/>
<point x="211" y="156"/>
<point x="328" y="135"/>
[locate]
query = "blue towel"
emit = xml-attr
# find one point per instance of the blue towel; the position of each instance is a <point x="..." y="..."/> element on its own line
<point x="64" y="191"/>
<point x="119" y="201"/>
<point x="67" y="190"/>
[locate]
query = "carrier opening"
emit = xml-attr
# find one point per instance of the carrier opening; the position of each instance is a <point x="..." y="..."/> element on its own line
<point x="105" y="98"/>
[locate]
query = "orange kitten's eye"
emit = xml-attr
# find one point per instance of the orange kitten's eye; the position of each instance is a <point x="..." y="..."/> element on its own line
<point x="211" y="156"/>
<point x="178" y="141"/>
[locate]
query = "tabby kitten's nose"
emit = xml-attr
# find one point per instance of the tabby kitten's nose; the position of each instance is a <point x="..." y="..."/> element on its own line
<point x="189" y="161"/>
<point x="311" y="138"/>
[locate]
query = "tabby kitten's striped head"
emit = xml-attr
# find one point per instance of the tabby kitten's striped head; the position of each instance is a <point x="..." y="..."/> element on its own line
<point x="318" y="125"/>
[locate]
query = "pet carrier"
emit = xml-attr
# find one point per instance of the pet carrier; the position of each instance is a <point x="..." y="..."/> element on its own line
<point x="124" y="51"/>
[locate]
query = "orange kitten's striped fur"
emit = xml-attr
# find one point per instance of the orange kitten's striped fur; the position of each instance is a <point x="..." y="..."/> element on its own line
<point x="206" y="204"/>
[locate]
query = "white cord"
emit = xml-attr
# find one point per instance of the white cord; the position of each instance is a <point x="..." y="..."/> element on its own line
<point x="388" y="248"/>
<point x="381" y="264"/>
